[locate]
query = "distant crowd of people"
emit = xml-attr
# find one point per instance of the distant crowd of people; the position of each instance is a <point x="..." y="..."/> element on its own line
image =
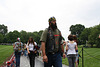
<point x="52" y="48"/>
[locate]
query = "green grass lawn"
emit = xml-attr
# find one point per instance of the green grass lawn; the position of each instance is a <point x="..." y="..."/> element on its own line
<point x="88" y="61"/>
<point x="5" y="52"/>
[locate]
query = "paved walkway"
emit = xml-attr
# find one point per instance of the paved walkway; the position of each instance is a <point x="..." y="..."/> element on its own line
<point x="38" y="62"/>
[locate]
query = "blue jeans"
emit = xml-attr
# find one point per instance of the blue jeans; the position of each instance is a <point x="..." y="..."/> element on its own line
<point x="17" y="56"/>
<point x="54" y="60"/>
<point x="71" y="60"/>
<point x="25" y="51"/>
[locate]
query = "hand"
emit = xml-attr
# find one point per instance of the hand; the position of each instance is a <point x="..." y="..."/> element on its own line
<point x="35" y="52"/>
<point x="45" y="58"/>
<point x="64" y="55"/>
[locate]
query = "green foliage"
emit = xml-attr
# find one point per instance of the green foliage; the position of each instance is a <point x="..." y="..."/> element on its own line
<point x="12" y="36"/>
<point x="84" y="35"/>
<point x="24" y="36"/>
<point x="77" y="29"/>
<point x="37" y="36"/>
<point x="94" y="36"/>
<point x="3" y="29"/>
<point x="1" y="38"/>
<point x="91" y="35"/>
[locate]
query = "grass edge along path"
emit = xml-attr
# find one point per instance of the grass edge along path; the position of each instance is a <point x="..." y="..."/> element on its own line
<point x="5" y="54"/>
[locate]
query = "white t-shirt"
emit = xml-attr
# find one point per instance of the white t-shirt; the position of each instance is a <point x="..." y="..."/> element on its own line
<point x="30" y="47"/>
<point x="71" y="48"/>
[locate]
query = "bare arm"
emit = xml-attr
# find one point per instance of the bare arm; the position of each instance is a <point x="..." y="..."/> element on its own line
<point x="66" y="46"/>
<point x="43" y="48"/>
<point x="14" y="46"/>
<point x="45" y="58"/>
<point x="28" y="49"/>
<point x="62" y="48"/>
<point x="76" y="48"/>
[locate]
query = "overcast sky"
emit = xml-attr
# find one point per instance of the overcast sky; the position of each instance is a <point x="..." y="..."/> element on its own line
<point x="33" y="15"/>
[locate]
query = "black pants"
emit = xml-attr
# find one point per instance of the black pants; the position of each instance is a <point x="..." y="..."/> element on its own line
<point x="32" y="59"/>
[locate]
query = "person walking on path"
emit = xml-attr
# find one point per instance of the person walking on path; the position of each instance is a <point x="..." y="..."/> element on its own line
<point x="31" y="51"/>
<point x="71" y="48"/>
<point x="77" y="60"/>
<point x="51" y="45"/>
<point x="25" y="50"/>
<point x="18" y="47"/>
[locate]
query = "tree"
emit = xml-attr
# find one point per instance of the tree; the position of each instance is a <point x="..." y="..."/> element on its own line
<point x="1" y="38"/>
<point x="12" y="36"/>
<point x="77" y="29"/>
<point x="8" y="37"/>
<point x="24" y="37"/>
<point x="94" y="36"/>
<point x="3" y="29"/>
<point x="39" y="35"/>
<point x="84" y="35"/>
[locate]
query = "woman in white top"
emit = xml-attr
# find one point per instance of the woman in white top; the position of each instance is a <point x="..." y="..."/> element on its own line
<point x="71" y="48"/>
<point x="31" y="51"/>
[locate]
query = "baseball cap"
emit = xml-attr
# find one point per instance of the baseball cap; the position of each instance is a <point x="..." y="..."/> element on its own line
<point x="18" y="39"/>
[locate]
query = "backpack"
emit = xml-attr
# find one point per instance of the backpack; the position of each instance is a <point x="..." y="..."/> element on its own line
<point x="18" y="46"/>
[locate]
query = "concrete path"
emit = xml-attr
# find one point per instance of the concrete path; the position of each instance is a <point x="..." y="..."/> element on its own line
<point x="38" y="62"/>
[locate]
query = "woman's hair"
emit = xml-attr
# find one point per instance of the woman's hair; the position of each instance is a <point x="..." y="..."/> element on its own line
<point x="70" y="37"/>
<point x="32" y="41"/>
<point x="75" y="38"/>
